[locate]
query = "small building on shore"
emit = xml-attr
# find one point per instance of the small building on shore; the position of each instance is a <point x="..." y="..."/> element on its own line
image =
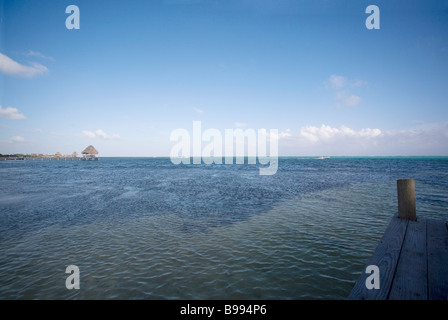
<point x="90" y="153"/>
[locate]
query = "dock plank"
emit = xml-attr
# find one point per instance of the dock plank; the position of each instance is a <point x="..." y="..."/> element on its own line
<point x="437" y="242"/>
<point x="386" y="257"/>
<point x="410" y="279"/>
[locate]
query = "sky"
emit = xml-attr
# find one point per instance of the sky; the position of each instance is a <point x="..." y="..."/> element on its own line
<point x="135" y="71"/>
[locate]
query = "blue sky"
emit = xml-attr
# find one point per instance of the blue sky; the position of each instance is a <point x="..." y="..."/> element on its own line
<point x="137" y="70"/>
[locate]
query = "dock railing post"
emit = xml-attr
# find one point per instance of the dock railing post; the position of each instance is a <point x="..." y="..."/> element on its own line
<point x="406" y="199"/>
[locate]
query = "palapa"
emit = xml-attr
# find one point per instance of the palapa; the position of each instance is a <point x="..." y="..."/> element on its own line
<point x="90" y="150"/>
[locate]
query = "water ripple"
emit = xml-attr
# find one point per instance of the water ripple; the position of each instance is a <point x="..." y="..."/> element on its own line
<point x="166" y="237"/>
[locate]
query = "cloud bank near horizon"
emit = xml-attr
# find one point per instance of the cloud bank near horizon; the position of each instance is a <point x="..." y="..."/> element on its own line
<point x="327" y="140"/>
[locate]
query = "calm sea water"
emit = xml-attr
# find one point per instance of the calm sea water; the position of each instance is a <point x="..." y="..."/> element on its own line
<point x="143" y="228"/>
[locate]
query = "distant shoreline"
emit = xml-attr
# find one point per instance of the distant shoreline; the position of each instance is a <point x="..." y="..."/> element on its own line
<point x="28" y="157"/>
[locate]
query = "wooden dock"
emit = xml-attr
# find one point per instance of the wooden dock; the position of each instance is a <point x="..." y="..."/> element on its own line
<point x="412" y="258"/>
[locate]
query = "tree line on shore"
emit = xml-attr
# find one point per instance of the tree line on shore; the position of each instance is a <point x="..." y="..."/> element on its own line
<point x="39" y="155"/>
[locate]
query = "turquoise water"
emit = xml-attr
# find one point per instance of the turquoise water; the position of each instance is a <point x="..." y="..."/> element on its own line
<point x="143" y="228"/>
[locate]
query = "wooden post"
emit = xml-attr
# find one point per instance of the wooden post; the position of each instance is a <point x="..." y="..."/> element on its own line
<point x="406" y="199"/>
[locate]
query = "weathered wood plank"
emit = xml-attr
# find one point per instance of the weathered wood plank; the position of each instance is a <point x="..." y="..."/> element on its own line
<point x="410" y="280"/>
<point x="437" y="240"/>
<point x="386" y="258"/>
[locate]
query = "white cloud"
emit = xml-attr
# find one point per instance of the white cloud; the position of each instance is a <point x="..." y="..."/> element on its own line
<point x="337" y="82"/>
<point x="367" y="132"/>
<point x="358" y="83"/>
<point x="32" y="53"/>
<point x="11" y="67"/>
<point x="352" y="101"/>
<point x="11" y="113"/>
<point x="100" y="134"/>
<point x="197" y="110"/>
<point x="115" y="137"/>
<point x="285" y="134"/>
<point x="89" y="134"/>
<point x="347" y="100"/>
<point x="343" y="87"/>
<point x="277" y="136"/>
<point x="327" y="133"/>
<point x="17" y="139"/>
<point x="431" y="139"/>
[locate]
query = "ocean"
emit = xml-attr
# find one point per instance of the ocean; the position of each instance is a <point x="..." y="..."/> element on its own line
<point x="144" y="228"/>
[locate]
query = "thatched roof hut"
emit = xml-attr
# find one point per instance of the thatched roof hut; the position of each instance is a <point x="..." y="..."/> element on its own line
<point x="90" y="150"/>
